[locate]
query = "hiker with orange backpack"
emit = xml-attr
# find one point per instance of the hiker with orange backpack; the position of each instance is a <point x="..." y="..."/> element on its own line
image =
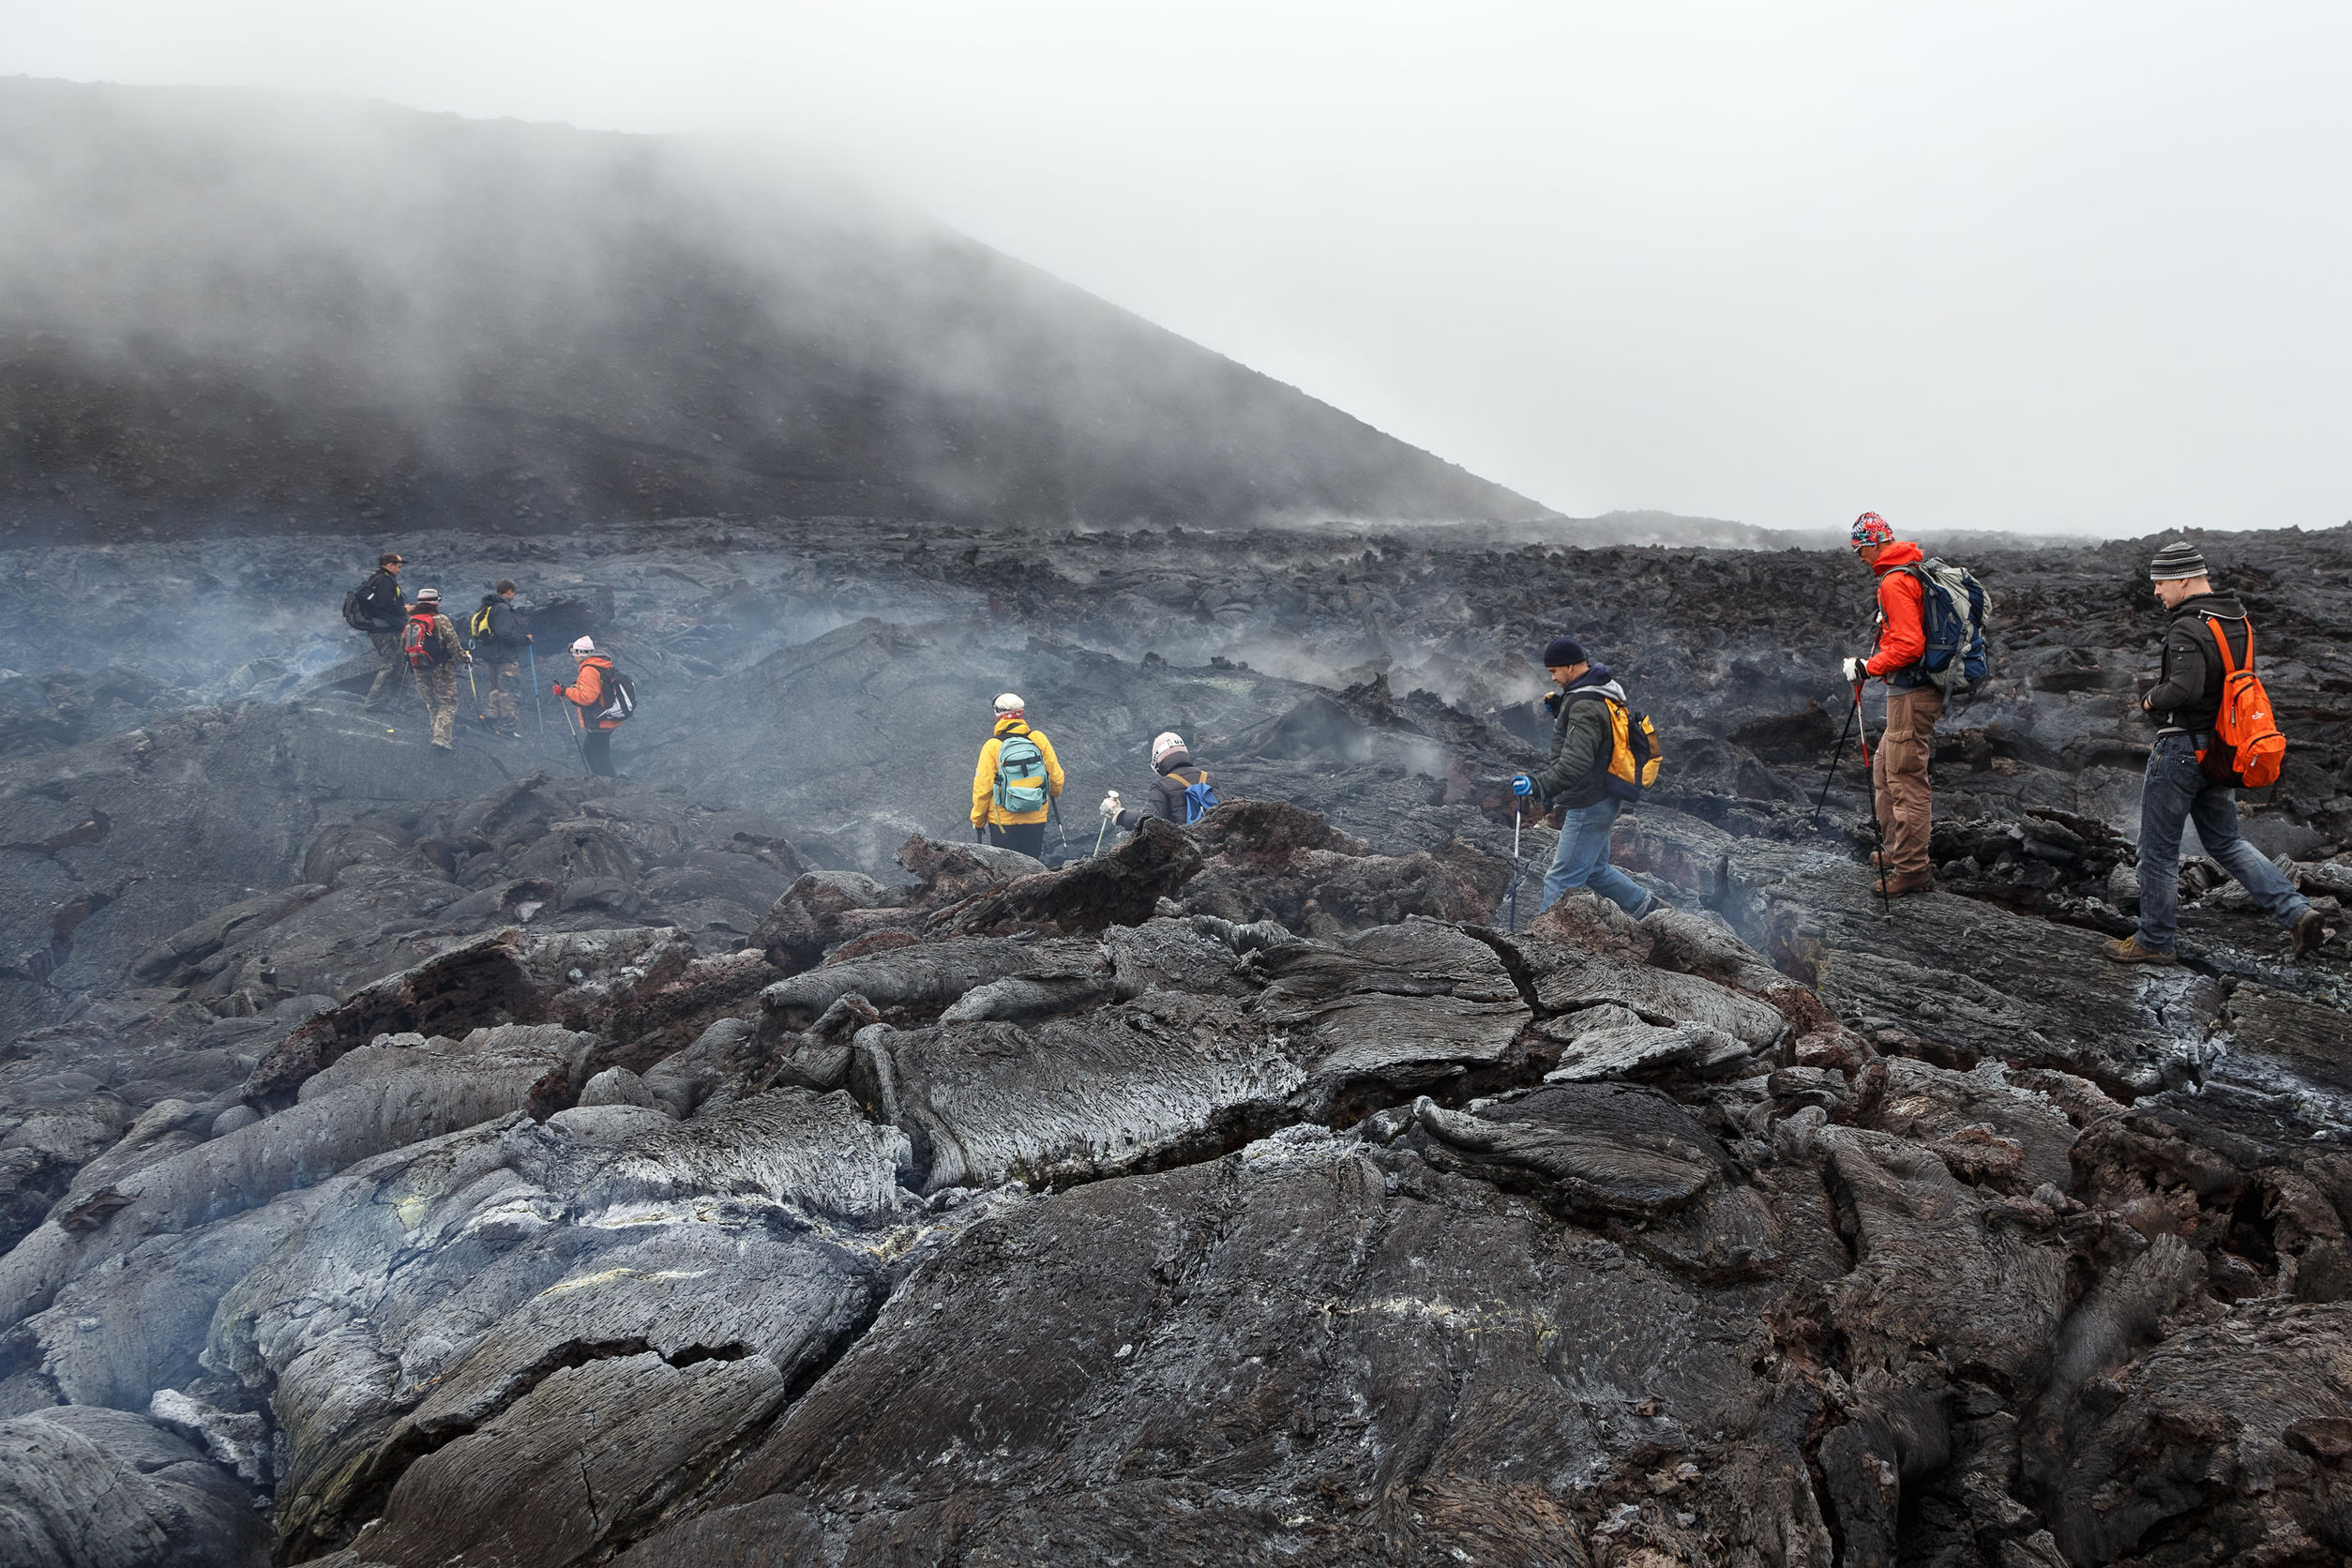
<point x="2215" y="732"/>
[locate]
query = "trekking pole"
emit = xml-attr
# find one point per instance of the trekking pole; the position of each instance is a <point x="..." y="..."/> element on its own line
<point x="1100" y="831"/>
<point x="1837" y="757"/>
<point x="580" y="737"/>
<point x="536" y="706"/>
<point x="1053" y="803"/>
<point x="1515" y="865"/>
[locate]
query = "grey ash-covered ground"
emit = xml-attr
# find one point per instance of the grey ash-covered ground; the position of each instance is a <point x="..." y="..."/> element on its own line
<point x="416" y="1159"/>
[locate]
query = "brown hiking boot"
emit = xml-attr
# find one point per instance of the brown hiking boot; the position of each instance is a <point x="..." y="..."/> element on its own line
<point x="2308" y="934"/>
<point x="2127" y="950"/>
<point x="1910" y="881"/>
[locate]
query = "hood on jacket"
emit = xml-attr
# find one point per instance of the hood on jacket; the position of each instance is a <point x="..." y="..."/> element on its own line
<point x="1179" y="757"/>
<point x="2220" y="606"/>
<point x="1894" y="557"/>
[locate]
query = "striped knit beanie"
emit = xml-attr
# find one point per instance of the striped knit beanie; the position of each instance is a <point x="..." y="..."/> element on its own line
<point x="2177" y="559"/>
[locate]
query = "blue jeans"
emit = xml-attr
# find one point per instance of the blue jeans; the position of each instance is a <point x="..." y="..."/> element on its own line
<point x="1582" y="859"/>
<point x="2175" y="790"/>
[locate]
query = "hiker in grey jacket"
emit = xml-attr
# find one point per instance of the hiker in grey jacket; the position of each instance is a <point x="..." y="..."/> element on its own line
<point x="1576" y="779"/>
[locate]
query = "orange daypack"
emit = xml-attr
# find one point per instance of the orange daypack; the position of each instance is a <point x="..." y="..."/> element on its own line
<point x="2251" y="751"/>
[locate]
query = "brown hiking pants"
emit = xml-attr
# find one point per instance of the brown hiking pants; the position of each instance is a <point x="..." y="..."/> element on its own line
<point x="1899" y="775"/>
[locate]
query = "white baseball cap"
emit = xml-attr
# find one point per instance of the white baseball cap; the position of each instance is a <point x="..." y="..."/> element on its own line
<point x="583" y="645"/>
<point x="1010" y="703"/>
<point x="1166" y="742"/>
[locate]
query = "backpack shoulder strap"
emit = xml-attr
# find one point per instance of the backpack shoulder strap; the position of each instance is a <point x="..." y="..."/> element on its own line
<point x="2221" y="640"/>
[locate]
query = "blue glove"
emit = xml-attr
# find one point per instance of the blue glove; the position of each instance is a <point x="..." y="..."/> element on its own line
<point x="1522" y="785"/>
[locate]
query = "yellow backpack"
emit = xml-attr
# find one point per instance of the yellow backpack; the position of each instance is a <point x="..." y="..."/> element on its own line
<point x="1634" y="755"/>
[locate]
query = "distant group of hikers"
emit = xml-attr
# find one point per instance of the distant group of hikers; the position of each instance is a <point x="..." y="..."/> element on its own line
<point x="416" y="638"/>
<point x="2215" y="731"/>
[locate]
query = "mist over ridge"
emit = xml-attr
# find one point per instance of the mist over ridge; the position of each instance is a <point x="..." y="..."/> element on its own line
<point x="222" y="309"/>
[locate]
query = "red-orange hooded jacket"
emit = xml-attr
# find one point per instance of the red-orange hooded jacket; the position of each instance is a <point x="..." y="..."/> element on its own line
<point x="588" y="696"/>
<point x="1902" y="630"/>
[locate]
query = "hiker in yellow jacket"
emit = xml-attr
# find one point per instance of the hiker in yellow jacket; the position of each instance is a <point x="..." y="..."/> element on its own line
<point x="1017" y="777"/>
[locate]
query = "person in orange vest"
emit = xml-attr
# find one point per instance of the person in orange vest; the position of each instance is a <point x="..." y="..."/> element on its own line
<point x="594" y="691"/>
<point x="1017" y="778"/>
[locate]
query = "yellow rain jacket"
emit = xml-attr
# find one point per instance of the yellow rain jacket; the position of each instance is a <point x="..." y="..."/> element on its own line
<point x="984" y="807"/>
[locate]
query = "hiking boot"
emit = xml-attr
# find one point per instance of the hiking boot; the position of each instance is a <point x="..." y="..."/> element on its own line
<point x="2308" y="934"/>
<point x="1910" y="881"/>
<point x="443" y="746"/>
<point x="2127" y="950"/>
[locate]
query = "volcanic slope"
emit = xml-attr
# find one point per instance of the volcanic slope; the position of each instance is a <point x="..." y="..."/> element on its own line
<point x="227" y="309"/>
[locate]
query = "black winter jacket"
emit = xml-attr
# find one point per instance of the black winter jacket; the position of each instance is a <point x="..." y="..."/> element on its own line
<point x="2188" y="692"/>
<point x="1166" y="800"/>
<point x="385" y="605"/>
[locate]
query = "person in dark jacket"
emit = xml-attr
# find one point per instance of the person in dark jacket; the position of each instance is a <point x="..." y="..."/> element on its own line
<point x="2184" y="704"/>
<point x="1166" y="799"/>
<point x="500" y="644"/>
<point x="380" y="596"/>
<point x="1576" y="780"/>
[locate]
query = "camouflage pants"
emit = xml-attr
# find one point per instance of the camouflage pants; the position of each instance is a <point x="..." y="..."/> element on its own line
<point x="504" y="707"/>
<point x="391" y="665"/>
<point x="440" y="683"/>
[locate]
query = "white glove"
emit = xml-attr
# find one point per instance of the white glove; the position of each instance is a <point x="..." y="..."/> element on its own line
<point x="1853" y="667"/>
<point x="1110" y="804"/>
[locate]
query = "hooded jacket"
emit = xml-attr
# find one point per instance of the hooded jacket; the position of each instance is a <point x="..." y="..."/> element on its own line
<point x="587" y="692"/>
<point x="984" y="807"/>
<point x="504" y="640"/>
<point x="1902" y="624"/>
<point x="1166" y="799"/>
<point x="2188" y="691"/>
<point x="1583" y="740"/>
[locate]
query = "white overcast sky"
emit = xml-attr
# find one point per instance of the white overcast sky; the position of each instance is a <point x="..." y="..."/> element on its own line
<point x="2049" y="265"/>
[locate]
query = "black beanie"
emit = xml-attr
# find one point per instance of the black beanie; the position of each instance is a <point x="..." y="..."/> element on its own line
<point x="1563" y="650"/>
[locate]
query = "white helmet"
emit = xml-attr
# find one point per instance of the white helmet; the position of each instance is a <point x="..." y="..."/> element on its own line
<point x="583" y="645"/>
<point x="1010" y="703"/>
<point x="1165" y="743"/>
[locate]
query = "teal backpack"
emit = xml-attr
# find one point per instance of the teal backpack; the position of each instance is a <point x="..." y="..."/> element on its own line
<point x="1020" y="776"/>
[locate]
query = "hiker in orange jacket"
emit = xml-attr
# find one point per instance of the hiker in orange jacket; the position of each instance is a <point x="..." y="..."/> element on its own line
<point x="589" y="692"/>
<point x="1010" y="793"/>
<point x="1899" y="772"/>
